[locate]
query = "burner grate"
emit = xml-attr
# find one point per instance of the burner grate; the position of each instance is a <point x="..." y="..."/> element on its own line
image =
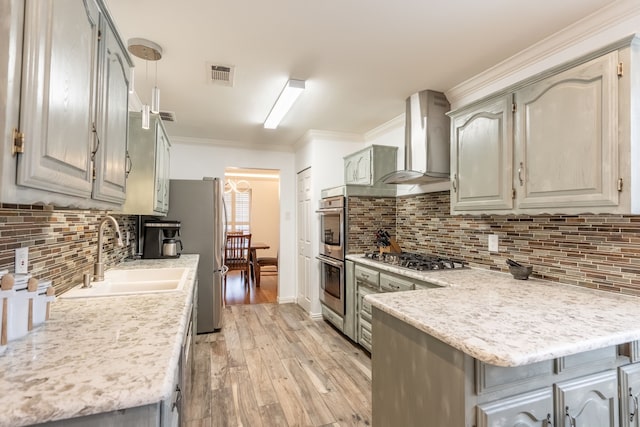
<point x="414" y="261"/>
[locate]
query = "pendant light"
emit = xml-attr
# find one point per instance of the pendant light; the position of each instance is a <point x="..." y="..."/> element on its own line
<point x="149" y="51"/>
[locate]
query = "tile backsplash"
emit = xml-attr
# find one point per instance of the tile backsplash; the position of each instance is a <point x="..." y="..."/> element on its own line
<point x="62" y="243"/>
<point x="596" y="251"/>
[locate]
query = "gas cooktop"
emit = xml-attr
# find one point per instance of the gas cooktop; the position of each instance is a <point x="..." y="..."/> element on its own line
<point x="414" y="261"/>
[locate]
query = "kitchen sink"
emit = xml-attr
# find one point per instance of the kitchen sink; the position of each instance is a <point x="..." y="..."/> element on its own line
<point x="133" y="282"/>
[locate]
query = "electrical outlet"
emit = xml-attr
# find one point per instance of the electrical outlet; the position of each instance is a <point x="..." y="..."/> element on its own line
<point x="493" y="243"/>
<point x="22" y="260"/>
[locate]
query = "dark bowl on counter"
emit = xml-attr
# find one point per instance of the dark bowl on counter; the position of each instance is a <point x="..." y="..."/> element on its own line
<point x="520" y="273"/>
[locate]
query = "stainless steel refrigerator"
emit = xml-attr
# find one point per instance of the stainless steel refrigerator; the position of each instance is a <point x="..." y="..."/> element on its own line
<point x="199" y="206"/>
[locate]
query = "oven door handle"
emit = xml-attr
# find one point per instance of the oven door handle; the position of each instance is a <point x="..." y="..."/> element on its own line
<point x="329" y="261"/>
<point x="329" y="210"/>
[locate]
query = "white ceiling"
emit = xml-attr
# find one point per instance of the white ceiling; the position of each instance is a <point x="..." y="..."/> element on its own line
<point x="360" y="58"/>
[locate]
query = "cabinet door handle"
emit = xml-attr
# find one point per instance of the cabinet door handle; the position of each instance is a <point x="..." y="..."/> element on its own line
<point x="520" y="174"/>
<point x="634" y="399"/>
<point x="572" y="421"/>
<point x="129" y="165"/>
<point x="547" y="422"/>
<point x="453" y="182"/>
<point x="178" y="399"/>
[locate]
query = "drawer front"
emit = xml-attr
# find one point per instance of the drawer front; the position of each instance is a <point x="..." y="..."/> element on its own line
<point x="393" y="284"/>
<point x="490" y="378"/>
<point x="364" y="335"/>
<point x="333" y="318"/>
<point x="602" y="358"/>
<point x="367" y="276"/>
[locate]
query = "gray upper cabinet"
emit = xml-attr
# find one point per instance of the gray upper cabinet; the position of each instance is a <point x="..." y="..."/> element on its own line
<point x="367" y="166"/>
<point x="481" y="157"/>
<point x="148" y="182"/>
<point x="112" y="118"/>
<point x="58" y="96"/>
<point x="560" y="142"/>
<point x="68" y="98"/>
<point x="567" y="138"/>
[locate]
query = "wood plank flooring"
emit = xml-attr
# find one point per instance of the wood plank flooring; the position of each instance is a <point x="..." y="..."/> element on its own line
<point x="271" y="365"/>
<point x="236" y="292"/>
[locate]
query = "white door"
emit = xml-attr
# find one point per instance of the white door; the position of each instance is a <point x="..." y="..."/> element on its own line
<point x="304" y="218"/>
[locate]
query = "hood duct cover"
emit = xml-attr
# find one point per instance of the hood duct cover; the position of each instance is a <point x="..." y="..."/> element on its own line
<point x="427" y="142"/>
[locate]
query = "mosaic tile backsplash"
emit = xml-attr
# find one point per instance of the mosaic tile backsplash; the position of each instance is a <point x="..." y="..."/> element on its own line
<point x="62" y="243"/>
<point x="596" y="251"/>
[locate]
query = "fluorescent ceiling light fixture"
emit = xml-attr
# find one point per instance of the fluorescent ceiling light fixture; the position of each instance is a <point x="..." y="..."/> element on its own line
<point x="288" y="96"/>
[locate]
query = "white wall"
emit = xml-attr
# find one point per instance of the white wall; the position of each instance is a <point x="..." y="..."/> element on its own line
<point x="193" y="160"/>
<point x="323" y="152"/>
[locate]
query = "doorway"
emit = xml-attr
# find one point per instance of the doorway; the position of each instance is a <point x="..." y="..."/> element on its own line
<point x="252" y="197"/>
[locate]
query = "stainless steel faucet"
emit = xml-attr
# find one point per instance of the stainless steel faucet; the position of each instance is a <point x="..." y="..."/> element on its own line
<point x="98" y="267"/>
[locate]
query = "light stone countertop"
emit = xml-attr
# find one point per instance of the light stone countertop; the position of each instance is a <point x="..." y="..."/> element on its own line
<point x="97" y="355"/>
<point x="507" y="322"/>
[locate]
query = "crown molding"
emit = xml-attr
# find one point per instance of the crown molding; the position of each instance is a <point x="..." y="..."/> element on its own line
<point x="612" y="22"/>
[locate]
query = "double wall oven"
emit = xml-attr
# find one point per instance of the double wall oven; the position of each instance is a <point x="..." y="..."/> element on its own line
<point x="332" y="252"/>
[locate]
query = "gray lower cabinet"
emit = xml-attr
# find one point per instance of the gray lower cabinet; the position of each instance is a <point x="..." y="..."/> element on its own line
<point x="416" y="377"/>
<point x="368" y="280"/>
<point x="588" y="401"/>
<point x="525" y="410"/>
<point x="364" y="318"/>
<point x="629" y="377"/>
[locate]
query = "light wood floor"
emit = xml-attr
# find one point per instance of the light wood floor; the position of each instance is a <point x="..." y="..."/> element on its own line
<point x="271" y="365"/>
<point x="236" y="292"/>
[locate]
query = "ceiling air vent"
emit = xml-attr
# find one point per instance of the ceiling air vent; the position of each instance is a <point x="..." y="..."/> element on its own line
<point x="168" y="116"/>
<point x="220" y="74"/>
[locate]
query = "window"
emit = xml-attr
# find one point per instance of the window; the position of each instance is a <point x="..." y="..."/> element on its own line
<point x="238" y="209"/>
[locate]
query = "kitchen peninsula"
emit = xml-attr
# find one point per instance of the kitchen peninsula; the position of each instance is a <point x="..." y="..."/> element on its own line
<point x="486" y="347"/>
<point x="114" y="360"/>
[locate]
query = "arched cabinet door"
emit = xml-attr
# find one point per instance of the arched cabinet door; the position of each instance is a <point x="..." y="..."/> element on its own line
<point x="567" y="138"/>
<point x="58" y="96"/>
<point x="481" y="157"/>
<point x="588" y="401"/>
<point x="110" y="159"/>
<point x="533" y="409"/>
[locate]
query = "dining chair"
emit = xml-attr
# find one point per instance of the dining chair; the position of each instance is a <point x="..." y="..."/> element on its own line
<point x="236" y="255"/>
<point x="264" y="262"/>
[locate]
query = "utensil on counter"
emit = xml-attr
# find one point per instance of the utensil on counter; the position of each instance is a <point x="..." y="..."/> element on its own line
<point x="513" y="263"/>
<point x="6" y="284"/>
<point x="32" y="286"/>
<point x="50" y="292"/>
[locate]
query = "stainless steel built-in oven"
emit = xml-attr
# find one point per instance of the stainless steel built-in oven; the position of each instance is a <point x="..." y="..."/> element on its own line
<point x="332" y="284"/>
<point x="331" y="254"/>
<point x="332" y="239"/>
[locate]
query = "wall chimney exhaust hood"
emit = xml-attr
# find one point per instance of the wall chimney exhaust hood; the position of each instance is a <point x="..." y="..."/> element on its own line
<point x="427" y="142"/>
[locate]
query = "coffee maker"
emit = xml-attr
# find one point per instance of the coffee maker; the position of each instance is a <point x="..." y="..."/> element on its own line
<point x="161" y="239"/>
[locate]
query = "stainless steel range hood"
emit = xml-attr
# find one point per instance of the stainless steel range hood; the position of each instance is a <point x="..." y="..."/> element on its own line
<point x="426" y="155"/>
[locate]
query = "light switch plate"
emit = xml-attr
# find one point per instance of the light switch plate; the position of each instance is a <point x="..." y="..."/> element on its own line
<point x="493" y="243"/>
<point x="22" y="260"/>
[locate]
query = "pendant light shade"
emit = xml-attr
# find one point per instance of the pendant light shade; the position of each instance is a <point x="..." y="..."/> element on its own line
<point x="146" y="116"/>
<point x="149" y="51"/>
<point x="155" y="100"/>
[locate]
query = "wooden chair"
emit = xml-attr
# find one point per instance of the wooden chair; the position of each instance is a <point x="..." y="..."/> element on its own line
<point x="264" y="262"/>
<point x="236" y="255"/>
